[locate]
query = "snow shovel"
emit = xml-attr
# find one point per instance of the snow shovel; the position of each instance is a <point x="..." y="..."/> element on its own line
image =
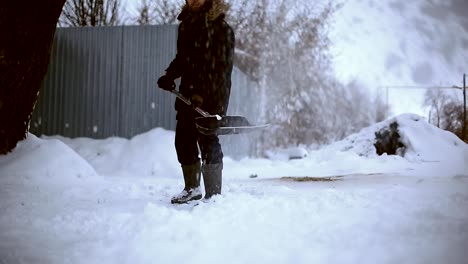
<point x="209" y="124"/>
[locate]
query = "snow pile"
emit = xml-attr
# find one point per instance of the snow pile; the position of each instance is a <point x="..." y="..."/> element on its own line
<point x="152" y="154"/>
<point x="424" y="142"/>
<point x="148" y="154"/>
<point x="400" y="43"/>
<point x="47" y="161"/>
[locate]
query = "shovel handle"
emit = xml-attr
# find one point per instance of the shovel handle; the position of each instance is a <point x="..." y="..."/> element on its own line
<point x="187" y="101"/>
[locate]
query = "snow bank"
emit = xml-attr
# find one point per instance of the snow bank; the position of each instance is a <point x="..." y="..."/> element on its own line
<point x="47" y="161"/>
<point x="148" y="154"/>
<point x="430" y="151"/>
<point x="424" y="142"/>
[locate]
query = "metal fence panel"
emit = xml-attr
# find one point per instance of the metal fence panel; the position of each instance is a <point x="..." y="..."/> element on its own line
<point x="81" y="88"/>
<point x="147" y="51"/>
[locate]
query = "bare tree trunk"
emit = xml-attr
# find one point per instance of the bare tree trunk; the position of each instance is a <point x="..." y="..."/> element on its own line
<point x="26" y="31"/>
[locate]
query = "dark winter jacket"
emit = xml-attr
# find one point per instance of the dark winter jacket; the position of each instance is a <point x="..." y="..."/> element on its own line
<point x="204" y="60"/>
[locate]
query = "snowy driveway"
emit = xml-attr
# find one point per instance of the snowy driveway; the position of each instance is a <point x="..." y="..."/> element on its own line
<point x="358" y="219"/>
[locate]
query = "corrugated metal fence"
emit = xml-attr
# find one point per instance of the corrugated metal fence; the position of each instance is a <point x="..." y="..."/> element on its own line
<point x="101" y="83"/>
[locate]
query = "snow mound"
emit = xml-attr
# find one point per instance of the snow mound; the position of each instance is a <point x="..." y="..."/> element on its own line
<point x="290" y="153"/>
<point x="424" y="142"/>
<point x="427" y="142"/>
<point x="148" y="154"/>
<point x="47" y="161"/>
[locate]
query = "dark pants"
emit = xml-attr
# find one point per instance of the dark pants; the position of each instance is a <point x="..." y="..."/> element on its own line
<point x="188" y="139"/>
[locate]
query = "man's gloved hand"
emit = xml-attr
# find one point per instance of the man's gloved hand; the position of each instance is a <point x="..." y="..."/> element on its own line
<point x="196" y="100"/>
<point x="166" y="83"/>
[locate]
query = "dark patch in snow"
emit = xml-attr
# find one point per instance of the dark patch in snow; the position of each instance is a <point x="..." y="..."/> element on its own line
<point x="415" y="118"/>
<point x="387" y="140"/>
<point x="328" y="178"/>
<point x="309" y="179"/>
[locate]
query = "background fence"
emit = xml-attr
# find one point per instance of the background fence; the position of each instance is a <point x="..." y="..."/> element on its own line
<point x="101" y="82"/>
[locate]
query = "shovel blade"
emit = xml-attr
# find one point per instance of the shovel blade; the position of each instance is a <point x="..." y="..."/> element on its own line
<point x="227" y="125"/>
<point x="212" y="122"/>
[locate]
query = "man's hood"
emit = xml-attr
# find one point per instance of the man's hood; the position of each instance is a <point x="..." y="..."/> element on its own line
<point x="214" y="9"/>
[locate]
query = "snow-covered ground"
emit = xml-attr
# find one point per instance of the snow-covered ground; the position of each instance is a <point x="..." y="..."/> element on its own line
<point x="108" y="201"/>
